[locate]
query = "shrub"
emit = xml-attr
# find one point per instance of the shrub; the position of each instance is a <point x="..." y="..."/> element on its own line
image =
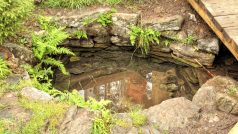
<point x="4" y="70"/>
<point x="47" y="44"/>
<point x="143" y="37"/>
<point x="12" y="14"/>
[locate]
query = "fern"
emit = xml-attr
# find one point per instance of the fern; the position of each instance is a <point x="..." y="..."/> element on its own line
<point x="54" y="62"/>
<point x="143" y="38"/>
<point x="45" y="45"/>
<point x="80" y="34"/>
<point x="4" y="70"/>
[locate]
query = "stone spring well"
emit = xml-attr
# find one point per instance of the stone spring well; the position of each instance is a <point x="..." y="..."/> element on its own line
<point x="106" y="65"/>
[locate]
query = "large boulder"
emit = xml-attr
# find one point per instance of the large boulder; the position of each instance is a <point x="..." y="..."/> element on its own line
<point x="173" y="113"/>
<point x="77" y="121"/>
<point x="32" y="93"/>
<point x="218" y="93"/>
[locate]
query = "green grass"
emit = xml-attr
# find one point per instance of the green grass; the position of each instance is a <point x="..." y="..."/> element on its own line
<point x="78" y="3"/>
<point x="51" y="111"/>
<point x="138" y="119"/>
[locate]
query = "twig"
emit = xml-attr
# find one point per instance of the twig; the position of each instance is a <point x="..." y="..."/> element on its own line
<point x="209" y="72"/>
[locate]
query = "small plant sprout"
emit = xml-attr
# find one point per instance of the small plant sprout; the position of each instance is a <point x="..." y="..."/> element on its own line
<point x="233" y="90"/>
<point x="190" y="40"/>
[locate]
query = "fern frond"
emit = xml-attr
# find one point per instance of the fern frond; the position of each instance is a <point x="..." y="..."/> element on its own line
<point x="4" y="70"/>
<point x="54" y="62"/>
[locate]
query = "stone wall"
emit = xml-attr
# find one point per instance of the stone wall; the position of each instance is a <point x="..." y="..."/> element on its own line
<point x="201" y="52"/>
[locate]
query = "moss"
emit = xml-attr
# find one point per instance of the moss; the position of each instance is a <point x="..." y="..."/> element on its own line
<point x="233" y="90"/>
<point x="41" y="111"/>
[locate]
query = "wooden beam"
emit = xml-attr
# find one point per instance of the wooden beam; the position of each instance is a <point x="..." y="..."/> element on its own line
<point x="208" y="18"/>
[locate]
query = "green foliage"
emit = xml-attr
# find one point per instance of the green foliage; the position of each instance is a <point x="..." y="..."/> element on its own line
<point x="78" y="3"/>
<point x="12" y="14"/>
<point x="46" y="44"/>
<point x="7" y="126"/>
<point x="137" y="117"/>
<point x="143" y="37"/>
<point x="4" y="70"/>
<point x="104" y="19"/>
<point x="80" y="34"/>
<point x="42" y="111"/>
<point x="190" y="40"/>
<point x="233" y="90"/>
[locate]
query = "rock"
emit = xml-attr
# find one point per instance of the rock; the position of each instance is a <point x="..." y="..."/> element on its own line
<point x="174" y="35"/>
<point x="102" y="45"/>
<point x="10" y="59"/>
<point x="120" y="27"/>
<point x="234" y="130"/>
<point x="226" y="103"/>
<point x="214" y="94"/>
<point x="102" y="40"/>
<point x="76" y="19"/>
<point x="165" y="24"/>
<point x="77" y="121"/>
<point x="24" y="54"/>
<point x="160" y="48"/>
<point x="12" y="111"/>
<point x="37" y="2"/>
<point x="34" y="94"/>
<point x="210" y="122"/>
<point x="190" y="54"/>
<point x="163" y="84"/>
<point x="210" y="45"/>
<point x="81" y="43"/>
<point x="125" y="126"/>
<point x="97" y="29"/>
<point x="173" y="113"/>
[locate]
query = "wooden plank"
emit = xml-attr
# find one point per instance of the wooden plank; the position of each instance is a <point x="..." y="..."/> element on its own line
<point x="221" y="7"/>
<point x="227" y="21"/>
<point x="224" y="37"/>
<point x="233" y="33"/>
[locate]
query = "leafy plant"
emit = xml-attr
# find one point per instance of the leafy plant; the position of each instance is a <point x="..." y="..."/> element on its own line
<point x="143" y="37"/>
<point x="138" y="119"/>
<point x="46" y="44"/>
<point x="12" y="14"/>
<point x="104" y="19"/>
<point x="4" y="70"/>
